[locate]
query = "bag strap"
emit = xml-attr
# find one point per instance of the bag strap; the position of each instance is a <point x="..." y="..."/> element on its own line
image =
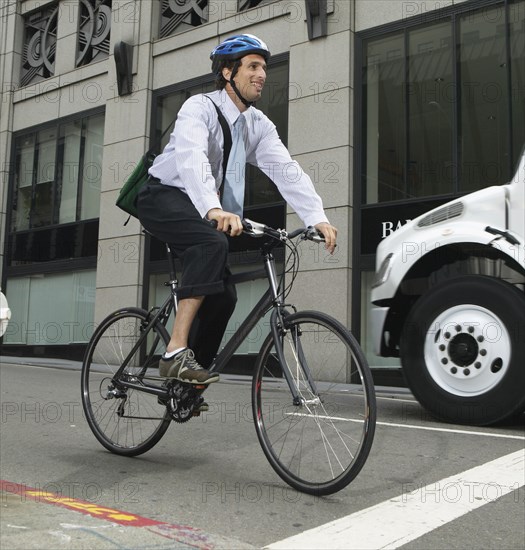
<point x="226" y="134"/>
<point x="158" y="141"/>
<point x="227" y="141"/>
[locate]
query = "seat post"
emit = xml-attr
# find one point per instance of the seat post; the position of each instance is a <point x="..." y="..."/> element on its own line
<point x="172" y="283"/>
<point x="171" y="263"/>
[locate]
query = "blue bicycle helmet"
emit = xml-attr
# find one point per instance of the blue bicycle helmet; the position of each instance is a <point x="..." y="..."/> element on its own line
<point x="236" y="47"/>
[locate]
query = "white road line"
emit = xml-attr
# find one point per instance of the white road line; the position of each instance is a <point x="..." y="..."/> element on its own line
<point x="417" y="511"/>
<point x="396" y="399"/>
<point x="415" y="427"/>
<point x="450" y="430"/>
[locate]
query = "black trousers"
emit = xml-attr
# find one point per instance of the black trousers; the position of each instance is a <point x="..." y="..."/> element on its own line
<point x="168" y="213"/>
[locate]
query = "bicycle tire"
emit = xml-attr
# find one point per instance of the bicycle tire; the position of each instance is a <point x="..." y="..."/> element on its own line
<point x="317" y="447"/>
<point x="133" y="422"/>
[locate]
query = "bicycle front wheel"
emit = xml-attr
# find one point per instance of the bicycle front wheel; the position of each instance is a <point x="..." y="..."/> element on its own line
<point x="126" y="421"/>
<point x="320" y="442"/>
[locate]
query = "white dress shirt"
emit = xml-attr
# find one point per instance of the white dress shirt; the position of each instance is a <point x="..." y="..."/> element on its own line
<point x="192" y="159"/>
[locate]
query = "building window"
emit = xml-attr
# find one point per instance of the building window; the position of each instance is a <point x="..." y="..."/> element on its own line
<point x="93" y="31"/>
<point x="52" y="245"/>
<point x="180" y="15"/>
<point x="58" y="172"/>
<point x="483" y="126"/>
<point x="51" y="309"/>
<point x="247" y="4"/>
<point x="517" y="75"/>
<point x="443" y="104"/>
<point x="40" y="37"/>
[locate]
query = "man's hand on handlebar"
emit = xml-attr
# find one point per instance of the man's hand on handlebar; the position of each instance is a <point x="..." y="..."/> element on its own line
<point x="226" y="221"/>
<point x="329" y="233"/>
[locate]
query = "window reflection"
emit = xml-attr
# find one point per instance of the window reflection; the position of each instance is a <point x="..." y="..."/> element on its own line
<point x="430" y="111"/>
<point x="484" y="121"/>
<point x="443" y="104"/>
<point x="517" y="68"/>
<point x="58" y="174"/>
<point x="385" y="120"/>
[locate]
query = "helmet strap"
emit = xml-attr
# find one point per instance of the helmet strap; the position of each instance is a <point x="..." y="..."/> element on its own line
<point x="234" y="86"/>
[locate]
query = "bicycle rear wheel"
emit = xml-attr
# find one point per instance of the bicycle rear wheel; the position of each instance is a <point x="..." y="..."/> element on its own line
<point x="319" y="445"/>
<point x="126" y="421"/>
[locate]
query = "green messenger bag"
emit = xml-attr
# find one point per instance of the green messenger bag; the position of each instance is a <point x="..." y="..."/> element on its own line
<point x="127" y="199"/>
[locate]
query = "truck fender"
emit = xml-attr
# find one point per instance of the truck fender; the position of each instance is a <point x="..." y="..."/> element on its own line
<point x="426" y="240"/>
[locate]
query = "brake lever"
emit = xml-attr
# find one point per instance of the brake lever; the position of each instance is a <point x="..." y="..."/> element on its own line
<point x="255" y="229"/>
<point x="313" y="234"/>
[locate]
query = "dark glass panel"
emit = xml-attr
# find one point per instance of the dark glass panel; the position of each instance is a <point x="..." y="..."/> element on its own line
<point x="484" y="121"/>
<point x="384" y="121"/>
<point x="431" y="103"/>
<point x="517" y="66"/>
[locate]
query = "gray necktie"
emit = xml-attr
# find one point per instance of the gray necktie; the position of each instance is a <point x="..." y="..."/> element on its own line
<point x="233" y="194"/>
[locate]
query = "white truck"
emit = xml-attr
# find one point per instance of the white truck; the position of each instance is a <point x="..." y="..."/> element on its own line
<point x="5" y="313"/>
<point x="449" y="299"/>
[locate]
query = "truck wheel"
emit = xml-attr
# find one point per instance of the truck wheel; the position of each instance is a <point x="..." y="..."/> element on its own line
<point x="463" y="350"/>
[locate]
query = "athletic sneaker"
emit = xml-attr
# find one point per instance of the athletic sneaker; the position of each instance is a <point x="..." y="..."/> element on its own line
<point x="183" y="366"/>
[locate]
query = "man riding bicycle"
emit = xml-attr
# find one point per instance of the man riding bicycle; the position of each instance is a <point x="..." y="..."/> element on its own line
<point x="183" y="195"/>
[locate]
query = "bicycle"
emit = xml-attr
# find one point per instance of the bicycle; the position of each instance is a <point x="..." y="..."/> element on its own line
<point x="313" y="398"/>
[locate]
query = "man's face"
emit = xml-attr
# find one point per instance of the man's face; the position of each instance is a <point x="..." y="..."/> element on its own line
<point x="250" y="76"/>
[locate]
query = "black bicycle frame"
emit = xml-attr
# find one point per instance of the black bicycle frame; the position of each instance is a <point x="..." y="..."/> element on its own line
<point x="271" y="298"/>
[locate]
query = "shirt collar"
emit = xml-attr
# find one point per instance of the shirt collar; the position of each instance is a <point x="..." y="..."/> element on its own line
<point x="230" y="110"/>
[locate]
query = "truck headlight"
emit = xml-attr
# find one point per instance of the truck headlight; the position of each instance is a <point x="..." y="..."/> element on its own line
<point x="384" y="271"/>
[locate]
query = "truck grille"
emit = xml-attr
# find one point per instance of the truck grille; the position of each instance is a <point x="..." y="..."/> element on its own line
<point x="442" y="214"/>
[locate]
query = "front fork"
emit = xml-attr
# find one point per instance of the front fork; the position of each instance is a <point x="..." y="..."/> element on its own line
<point x="279" y="333"/>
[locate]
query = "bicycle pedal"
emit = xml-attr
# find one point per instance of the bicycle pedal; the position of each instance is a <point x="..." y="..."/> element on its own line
<point x="200" y="408"/>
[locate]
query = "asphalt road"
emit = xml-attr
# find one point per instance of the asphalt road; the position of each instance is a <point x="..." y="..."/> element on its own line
<point x="207" y="483"/>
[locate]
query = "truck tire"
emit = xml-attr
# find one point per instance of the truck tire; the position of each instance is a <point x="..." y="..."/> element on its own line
<point x="463" y="350"/>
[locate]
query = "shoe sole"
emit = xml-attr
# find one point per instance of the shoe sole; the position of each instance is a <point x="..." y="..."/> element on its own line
<point x="166" y="366"/>
<point x="210" y="380"/>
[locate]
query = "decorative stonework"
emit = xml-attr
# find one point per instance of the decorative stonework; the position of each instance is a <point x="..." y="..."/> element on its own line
<point x="38" y="61"/>
<point x="93" y="31"/>
<point x="181" y="15"/>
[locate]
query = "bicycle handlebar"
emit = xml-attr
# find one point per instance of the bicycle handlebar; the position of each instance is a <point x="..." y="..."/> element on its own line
<point x="256" y="229"/>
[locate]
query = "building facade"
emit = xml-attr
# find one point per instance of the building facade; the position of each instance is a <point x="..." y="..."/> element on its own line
<point x="391" y="106"/>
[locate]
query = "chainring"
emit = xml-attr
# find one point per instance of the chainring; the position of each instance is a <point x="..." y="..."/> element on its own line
<point x="183" y="400"/>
